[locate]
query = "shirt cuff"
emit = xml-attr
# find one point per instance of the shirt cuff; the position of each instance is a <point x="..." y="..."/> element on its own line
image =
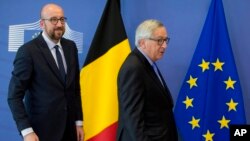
<point x="79" y="123"/>
<point x="27" y="131"/>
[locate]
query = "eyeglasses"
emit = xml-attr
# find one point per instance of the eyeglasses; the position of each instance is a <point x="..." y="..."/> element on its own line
<point x="160" y="41"/>
<point x="55" y="20"/>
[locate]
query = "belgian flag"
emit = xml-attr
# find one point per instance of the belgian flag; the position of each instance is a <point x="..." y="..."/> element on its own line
<point x="98" y="80"/>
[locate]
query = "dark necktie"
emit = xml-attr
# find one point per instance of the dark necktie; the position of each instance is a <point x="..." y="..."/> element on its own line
<point x="157" y="72"/>
<point x="60" y="62"/>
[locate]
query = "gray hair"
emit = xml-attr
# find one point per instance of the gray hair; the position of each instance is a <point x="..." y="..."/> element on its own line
<point x="146" y="29"/>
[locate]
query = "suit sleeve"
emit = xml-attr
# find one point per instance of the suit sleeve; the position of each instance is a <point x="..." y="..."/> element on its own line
<point x="78" y="103"/>
<point x="19" y="82"/>
<point x="131" y="100"/>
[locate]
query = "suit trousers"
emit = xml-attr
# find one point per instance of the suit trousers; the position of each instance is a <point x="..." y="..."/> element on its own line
<point x="69" y="133"/>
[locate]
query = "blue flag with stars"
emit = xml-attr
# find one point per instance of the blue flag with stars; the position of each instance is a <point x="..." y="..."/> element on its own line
<point x="210" y="98"/>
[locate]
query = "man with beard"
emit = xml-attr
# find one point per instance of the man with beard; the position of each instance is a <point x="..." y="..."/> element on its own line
<point x="44" y="90"/>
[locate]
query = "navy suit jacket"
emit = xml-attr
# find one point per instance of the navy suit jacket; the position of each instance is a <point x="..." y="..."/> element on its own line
<point x="49" y="103"/>
<point x="145" y="105"/>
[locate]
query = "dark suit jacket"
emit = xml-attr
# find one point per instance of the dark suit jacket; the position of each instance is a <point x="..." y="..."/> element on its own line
<point x="50" y="103"/>
<point x="145" y="106"/>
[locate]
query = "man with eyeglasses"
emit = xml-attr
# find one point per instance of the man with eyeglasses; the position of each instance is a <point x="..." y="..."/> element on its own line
<point x="44" y="90"/>
<point x="145" y="102"/>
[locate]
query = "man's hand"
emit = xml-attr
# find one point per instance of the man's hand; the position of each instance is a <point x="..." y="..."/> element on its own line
<point x="80" y="133"/>
<point x="31" y="137"/>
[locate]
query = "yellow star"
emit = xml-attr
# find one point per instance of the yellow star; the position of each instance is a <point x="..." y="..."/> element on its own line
<point x="192" y="81"/>
<point x="208" y="136"/>
<point x="194" y="122"/>
<point x="218" y="65"/>
<point x="223" y="122"/>
<point x="188" y="102"/>
<point x="204" y="65"/>
<point x="230" y="83"/>
<point x="232" y="105"/>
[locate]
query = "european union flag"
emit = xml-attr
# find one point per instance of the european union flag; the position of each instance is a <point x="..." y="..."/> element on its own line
<point x="210" y="98"/>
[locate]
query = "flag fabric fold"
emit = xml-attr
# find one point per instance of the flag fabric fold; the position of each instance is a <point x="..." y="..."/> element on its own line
<point x="98" y="78"/>
<point x="210" y="99"/>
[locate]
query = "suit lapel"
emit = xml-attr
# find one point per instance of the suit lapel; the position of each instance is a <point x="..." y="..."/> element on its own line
<point x="68" y="57"/>
<point x="48" y="56"/>
<point x="150" y="69"/>
<point x="155" y="77"/>
<point x="166" y="89"/>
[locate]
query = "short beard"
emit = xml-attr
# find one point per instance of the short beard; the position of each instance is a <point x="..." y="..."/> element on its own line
<point x="54" y="36"/>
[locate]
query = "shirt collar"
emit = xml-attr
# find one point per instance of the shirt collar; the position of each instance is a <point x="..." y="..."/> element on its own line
<point x="50" y="43"/>
<point x="149" y="60"/>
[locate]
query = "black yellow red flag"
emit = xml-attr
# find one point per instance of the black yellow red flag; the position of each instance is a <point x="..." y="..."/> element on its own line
<point x="107" y="52"/>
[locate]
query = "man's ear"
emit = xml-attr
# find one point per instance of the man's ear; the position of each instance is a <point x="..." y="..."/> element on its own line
<point x="142" y="43"/>
<point x="42" y="23"/>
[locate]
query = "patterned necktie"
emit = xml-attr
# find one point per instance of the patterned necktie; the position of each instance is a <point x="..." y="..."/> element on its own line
<point x="60" y="63"/>
<point x="157" y="72"/>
